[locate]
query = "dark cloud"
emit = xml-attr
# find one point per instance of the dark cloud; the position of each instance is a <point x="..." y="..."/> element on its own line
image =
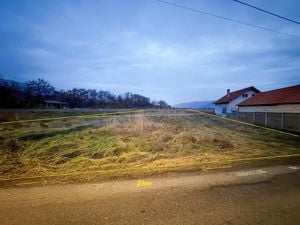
<point x="150" y="48"/>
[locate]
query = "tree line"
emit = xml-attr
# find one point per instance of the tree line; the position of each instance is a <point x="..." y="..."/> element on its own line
<point x="33" y="93"/>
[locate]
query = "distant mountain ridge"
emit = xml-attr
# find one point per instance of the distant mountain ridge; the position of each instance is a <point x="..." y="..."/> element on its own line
<point x="196" y="105"/>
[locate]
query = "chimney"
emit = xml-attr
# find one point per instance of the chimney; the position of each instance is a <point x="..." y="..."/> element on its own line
<point x="228" y="92"/>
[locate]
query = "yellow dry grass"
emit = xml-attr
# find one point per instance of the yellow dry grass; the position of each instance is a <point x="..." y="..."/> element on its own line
<point x="132" y="143"/>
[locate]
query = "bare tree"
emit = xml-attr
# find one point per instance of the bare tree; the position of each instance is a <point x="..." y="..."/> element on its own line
<point x="40" y="88"/>
<point x="162" y="104"/>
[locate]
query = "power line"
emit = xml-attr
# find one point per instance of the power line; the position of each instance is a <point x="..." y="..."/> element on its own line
<point x="265" y="11"/>
<point x="226" y="18"/>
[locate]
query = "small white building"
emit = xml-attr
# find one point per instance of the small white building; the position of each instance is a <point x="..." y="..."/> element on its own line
<point x="228" y="103"/>
<point x="284" y="100"/>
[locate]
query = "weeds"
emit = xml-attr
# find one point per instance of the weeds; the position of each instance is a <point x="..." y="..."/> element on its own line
<point x="125" y="142"/>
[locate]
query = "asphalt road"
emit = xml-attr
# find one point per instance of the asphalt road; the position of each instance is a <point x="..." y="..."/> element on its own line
<point x="269" y="195"/>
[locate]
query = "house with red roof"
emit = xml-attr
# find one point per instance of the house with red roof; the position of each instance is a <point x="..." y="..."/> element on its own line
<point x="283" y="100"/>
<point x="228" y="103"/>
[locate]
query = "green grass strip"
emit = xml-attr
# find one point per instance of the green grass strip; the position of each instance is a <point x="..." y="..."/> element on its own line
<point x="70" y="117"/>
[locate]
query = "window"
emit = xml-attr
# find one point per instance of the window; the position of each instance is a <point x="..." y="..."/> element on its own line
<point x="245" y="95"/>
<point x="253" y="95"/>
<point x="224" y="110"/>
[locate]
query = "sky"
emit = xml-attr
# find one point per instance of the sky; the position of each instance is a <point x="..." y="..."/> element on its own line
<point x="150" y="48"/>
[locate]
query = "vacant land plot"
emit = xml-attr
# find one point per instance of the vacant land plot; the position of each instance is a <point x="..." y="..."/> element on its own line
<point x="144" y="142"/>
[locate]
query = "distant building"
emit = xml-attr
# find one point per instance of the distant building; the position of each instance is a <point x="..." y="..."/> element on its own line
<point x="228" y="103"/>
<point x="278" y="109"/>
<point x="284" y="100"/>
<point x="50" y="104"/>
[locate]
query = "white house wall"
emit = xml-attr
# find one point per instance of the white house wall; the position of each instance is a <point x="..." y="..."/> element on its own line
<point x="232" y="105"/>
<point x="286" y="108"/>
<point x="218" y="108"/>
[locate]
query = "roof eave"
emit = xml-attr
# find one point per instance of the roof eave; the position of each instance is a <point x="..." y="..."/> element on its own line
<point x="220" y="103"/>
<point x="270" y="104"/>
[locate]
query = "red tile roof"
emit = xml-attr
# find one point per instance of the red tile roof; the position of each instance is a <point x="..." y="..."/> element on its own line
<point x="288" y="95"/>
<point x="235" y="94"/>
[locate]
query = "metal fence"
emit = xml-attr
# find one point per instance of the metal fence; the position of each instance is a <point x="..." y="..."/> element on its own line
<point x="283" y="121"/>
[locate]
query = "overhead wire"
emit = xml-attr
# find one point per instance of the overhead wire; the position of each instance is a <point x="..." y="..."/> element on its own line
<point x="226" y="18"/>
<point x="266" y="11"/>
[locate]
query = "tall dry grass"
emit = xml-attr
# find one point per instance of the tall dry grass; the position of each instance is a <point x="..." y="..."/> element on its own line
<point x="129" y="142"/>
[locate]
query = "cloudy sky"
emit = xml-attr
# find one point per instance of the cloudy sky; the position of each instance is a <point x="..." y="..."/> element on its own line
<point x="150" y="48"/>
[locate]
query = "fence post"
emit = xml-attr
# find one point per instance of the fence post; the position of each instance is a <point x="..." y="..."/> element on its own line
<point x="253" y="118"/>
<point x="282" y="122"/>
<point x="266" y="119"/>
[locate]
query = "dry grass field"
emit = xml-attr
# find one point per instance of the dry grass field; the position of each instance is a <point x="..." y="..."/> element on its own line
<point x="139" y="142"/>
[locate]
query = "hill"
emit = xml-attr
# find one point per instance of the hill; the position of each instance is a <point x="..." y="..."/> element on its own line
<point x="196" y="105"/>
